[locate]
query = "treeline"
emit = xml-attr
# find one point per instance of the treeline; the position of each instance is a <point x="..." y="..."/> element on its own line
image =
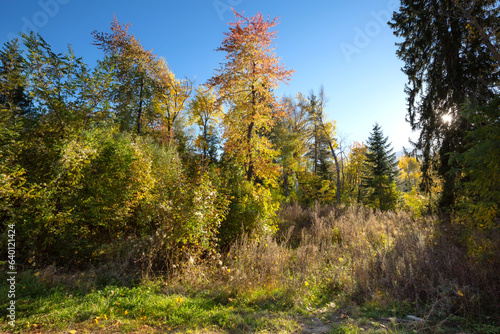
<point x="126" y="161"/>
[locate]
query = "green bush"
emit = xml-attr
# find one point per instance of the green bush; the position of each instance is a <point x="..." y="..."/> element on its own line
<point x="111" y="193"/>
<point x="252" y="207"/>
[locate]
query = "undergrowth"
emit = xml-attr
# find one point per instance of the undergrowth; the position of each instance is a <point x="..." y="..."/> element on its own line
<point x="351" y="267"/>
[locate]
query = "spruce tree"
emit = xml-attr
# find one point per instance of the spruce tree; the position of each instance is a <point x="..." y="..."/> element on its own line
<point x="379" y="172"/>
<point x="451" y="54"/>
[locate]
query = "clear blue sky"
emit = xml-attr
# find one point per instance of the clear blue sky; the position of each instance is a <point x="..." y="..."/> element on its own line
<point x="343" y="45"/>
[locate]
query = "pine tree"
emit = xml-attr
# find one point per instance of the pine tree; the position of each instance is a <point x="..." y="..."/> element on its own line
<point x="380" y="171"/>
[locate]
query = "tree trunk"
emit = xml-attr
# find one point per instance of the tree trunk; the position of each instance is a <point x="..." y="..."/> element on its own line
<point x="249" y="136"/>
<point x="250" y="162"/>
<point x="337" y="168"/>
<point x="285" y="181"/>
<point x="139" y="113"/>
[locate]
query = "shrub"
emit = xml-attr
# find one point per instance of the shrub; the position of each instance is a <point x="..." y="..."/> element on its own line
<point x="112" y="194"/>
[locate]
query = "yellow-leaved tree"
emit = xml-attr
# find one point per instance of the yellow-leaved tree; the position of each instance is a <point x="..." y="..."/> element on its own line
<point x="205" y="112"/>
<point x="145" y="93"/>
<point x="245" y="83"/>
<point x="410" y="173"/>
<point x="354" y="173"/>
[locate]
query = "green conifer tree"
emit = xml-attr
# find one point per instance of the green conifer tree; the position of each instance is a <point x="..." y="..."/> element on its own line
<point x="380" y="171"/>
<point x="451" y="54"/>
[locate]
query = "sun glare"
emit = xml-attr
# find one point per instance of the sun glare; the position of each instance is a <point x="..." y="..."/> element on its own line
<point x="447" y="118"/>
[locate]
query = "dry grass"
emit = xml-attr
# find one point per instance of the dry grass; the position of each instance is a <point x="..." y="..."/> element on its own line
<point x="350" y="255"/>
<point x="356" y="255"/>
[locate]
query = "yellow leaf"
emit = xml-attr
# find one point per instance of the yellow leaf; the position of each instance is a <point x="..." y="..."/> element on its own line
<point x="460" y="293"/>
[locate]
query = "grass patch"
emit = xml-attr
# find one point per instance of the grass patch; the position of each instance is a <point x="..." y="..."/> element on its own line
<point x="150" y="304"/>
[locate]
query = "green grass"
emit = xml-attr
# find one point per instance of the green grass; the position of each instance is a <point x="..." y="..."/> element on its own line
<point x="155" y="306"/>
<point x="146" y="305"/>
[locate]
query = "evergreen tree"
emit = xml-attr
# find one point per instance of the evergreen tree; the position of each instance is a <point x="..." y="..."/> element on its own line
<point x="380" y="171"/>
<point x="450" y="50"/>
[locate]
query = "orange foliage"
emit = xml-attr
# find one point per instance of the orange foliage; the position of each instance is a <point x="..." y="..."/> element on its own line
<point x="246" y="82"/>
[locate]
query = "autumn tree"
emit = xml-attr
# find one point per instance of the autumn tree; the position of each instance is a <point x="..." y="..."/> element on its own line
<point x="129" y="61"/>
<point x="290" y="135"/>
<point x="205" y="112"/>
<point x="410" y="172"/>
<point x="146" y="91"/>
<point x="246" y="82"/>
<point x="354" y="172"/>
<point x="78" y="184"/>
<point x="170" y="95"/>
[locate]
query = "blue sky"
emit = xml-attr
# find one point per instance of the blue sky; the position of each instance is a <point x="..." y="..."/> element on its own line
<point x="343" y="45"/>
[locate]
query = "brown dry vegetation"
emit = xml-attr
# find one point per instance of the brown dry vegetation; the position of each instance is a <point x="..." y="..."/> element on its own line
<point x="358" y="255"/>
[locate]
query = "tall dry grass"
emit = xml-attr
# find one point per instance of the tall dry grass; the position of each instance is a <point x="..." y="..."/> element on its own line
<point x="341" y="254"/>
<point x="357" y="255"/>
